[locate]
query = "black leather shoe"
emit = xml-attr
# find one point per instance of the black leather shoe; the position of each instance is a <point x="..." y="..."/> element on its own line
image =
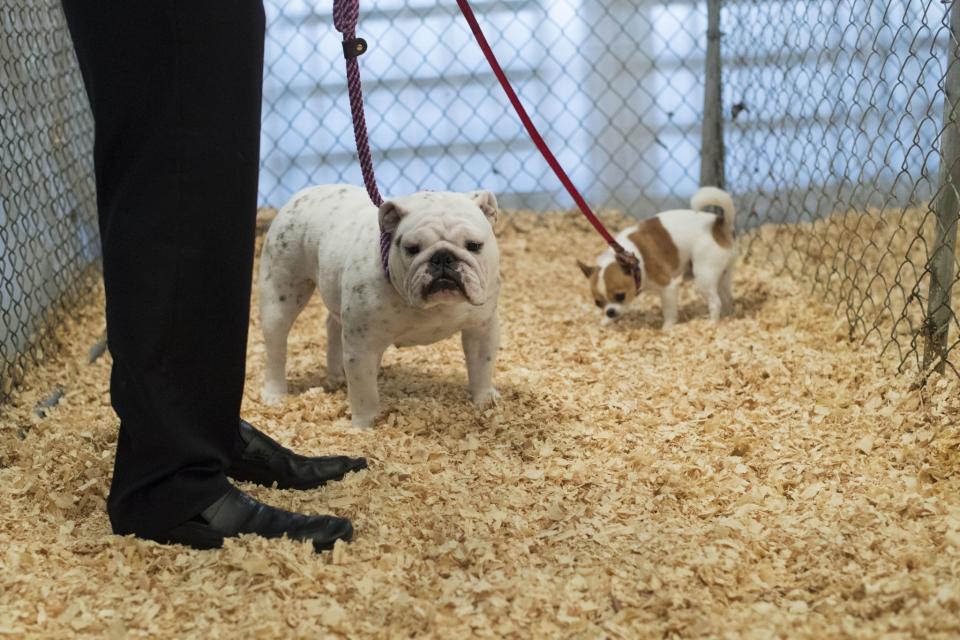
<point x="265" y="462"/>
<point x="235" y="513"/>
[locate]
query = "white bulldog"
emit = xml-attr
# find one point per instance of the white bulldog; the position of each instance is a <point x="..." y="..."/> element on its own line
<point x="438" y="273"/>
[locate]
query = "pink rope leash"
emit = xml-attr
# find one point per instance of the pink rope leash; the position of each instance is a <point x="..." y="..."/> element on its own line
<point x="346" y="13"/>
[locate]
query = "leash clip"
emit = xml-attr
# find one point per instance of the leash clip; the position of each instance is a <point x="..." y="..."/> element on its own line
<point x="629" y="263"/>
<point x="354" y="48"/>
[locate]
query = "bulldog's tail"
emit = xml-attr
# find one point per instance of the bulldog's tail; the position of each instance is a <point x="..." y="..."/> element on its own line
<point x="719" y="199"/>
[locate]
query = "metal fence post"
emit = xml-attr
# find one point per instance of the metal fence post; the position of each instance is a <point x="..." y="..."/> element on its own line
<point x="711" y="145"/>
<point x="940" y="265"/>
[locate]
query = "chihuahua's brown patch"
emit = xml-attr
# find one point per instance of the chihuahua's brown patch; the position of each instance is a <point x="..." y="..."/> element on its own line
<point x="721" y="234"/>
<point x="661" y="260"/>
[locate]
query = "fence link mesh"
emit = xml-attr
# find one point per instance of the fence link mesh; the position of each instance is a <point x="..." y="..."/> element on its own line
<point x="837" y="128"/>
<point x="48" y="238"/>
<point x="616" y="87"/>
<point x="834" y="118"/>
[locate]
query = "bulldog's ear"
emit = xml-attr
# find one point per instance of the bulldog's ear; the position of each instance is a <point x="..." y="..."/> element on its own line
<point x="487" y="203"/>
<point x="587" y="269"/>
<point x="390" y="216"/>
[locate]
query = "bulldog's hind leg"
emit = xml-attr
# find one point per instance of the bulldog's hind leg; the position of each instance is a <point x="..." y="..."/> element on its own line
<point x="335" y="375"/>
<point x="281" y="301"/>
<point x="480" y="346"/>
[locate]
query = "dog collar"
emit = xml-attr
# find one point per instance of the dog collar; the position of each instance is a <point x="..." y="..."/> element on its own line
<point x="386" y="238"/>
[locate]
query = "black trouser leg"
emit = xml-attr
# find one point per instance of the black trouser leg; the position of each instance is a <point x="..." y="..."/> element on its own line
<point x="175" y="89"/>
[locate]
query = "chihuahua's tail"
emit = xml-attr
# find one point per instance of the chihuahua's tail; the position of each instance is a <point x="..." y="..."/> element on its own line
<point x="711" y="197"/>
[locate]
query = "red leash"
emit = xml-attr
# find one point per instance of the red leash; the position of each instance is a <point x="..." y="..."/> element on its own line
<point x="346" y="13"/>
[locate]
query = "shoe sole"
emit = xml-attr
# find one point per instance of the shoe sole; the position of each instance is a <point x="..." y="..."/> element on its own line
<point x="201" y="538"/>
<point x="193" y="535"/>
<point x="307" y="486"/>
<point x="328" y="546"/>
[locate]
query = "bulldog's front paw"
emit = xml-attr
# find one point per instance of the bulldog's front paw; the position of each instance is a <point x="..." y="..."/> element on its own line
<point x="272" y="394"/>
<point x="362" y="422"/>
<point x="486" y="398"/>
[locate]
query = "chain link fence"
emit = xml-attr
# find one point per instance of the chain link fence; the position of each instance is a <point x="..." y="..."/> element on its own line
<point x="48" y="235"/>
<point x="830" y="128"/>
<point x="616" y="87"/>
<point x="834" y="118"/>
<point x="842" y="140"/>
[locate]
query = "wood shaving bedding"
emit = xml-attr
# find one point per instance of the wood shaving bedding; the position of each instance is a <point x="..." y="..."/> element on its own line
<point x="763" y="477"/>
<point x="872" y="267"/>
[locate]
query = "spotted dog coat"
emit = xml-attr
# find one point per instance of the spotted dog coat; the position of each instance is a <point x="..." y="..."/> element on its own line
<point x="443" y="278"/>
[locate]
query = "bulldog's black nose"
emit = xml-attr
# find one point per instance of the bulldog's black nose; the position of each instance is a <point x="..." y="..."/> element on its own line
<point x="443" y="258"/>
<point x="611" y="313"/>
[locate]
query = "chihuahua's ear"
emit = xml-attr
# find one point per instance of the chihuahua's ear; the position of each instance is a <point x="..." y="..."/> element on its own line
<point x="588" y="271"/>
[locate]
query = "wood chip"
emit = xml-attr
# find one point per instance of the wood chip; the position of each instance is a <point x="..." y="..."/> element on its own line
<point x="762" y="477"/>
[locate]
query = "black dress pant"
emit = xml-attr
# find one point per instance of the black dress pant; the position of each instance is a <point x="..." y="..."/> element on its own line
<point x="175" y="89"/>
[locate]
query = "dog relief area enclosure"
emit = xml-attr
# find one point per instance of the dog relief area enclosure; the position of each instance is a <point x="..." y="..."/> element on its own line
<point x="791" y="470"/>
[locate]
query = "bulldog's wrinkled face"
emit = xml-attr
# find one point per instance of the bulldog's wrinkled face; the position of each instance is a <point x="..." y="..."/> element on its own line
<point x="443" y="249"/>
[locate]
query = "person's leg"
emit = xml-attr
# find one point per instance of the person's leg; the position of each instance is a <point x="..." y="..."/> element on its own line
<point x="175" y="89"/>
